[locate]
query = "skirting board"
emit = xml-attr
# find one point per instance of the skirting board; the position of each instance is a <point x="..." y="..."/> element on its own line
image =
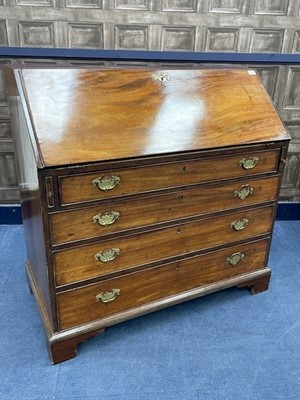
<point x="148" y="56"/>
<point x="11" y="214"/>
<point x="288" y="211"/>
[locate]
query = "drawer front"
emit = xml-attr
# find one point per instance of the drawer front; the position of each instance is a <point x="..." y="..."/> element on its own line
<point x="79" y="306"/>
<point x="118" y="254"/>
<point x="107" y="184"/>
<point x="104" y="219"/>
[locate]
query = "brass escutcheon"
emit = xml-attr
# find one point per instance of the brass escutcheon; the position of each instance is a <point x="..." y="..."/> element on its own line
<point x="107" y="255"/>
<point x="106" y="183"/>
<point x="235" y="258"/>
<point x="243" y="191"/>
<point x="240" y="224"/>
<point x="248" y="163"/>
<point x="107" y="297"/>
<point x="160" y="77"/>
<point x="106" y="218"/>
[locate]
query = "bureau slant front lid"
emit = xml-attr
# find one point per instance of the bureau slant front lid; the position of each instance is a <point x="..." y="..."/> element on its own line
<point x="88" y="115"/>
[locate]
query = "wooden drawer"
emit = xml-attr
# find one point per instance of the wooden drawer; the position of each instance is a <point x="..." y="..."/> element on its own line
<point x="78" y="306"/>
<point x="79" y="263"/>
<point x="75" y="225"/>
<point x="80" y="188"/>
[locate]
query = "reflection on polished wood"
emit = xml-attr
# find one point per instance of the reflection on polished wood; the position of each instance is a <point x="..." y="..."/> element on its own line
<point x="89" y="115"/>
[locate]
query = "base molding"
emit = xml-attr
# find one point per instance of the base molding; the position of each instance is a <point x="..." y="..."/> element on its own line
<point x="257" y="285"/>
<point x="62" y="345"/>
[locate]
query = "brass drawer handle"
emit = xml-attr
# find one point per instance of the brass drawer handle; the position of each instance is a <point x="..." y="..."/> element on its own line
<point x="107" y="255"/>
<point x="240" y="224"/>
<point x="235" y="258"/>
<point x="106" y="183"/>
<point x="107" y="297"/>
<point x="243" y="191"/>
<point x="106" y="218"/>
<point x="248" y="163"/>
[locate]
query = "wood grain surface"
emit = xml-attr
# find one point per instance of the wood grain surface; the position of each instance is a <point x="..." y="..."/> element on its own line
<point x="83" y="116"/>
<point x="72" y="226"/>
<point x="79" y="188"/>
<point x="78" y="264"/>
<point x="79" y="306"/>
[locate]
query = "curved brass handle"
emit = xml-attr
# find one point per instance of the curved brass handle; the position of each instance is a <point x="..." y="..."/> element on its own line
<point x="106" y="218"/>
<point x="235" y="258"/>
<point x="248" y="163"/>
<point x="243" y="191"/>
<point x="107" y="255"/>
<point x="107" y="297"/>
<point x="106" y="183"/>
<point x="240" y="224"/>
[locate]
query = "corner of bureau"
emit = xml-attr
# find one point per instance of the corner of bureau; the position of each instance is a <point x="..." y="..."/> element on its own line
<point x="141" y="188"/>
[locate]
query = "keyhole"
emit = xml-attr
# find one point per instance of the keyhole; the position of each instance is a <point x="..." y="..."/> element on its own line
<point x="184" y="168"/>
<point x="181" y="198"/>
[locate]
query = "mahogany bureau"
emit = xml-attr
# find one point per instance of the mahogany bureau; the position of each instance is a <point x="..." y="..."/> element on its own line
<point x="140" y="189"/>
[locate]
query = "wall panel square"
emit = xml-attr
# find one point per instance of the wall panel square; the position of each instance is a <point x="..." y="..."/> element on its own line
<point x="36" y="34"/>
<point x="179" y="5"/>
<point x="132" y="37"/>
<point x="222" y="40"/>
<point x="225" y="6"/>
<point x="5" y="132"/>
<point x="85" y="35"/>
<point x="266" y="41"/>
<point x="3" y="34"/>
<point x="292" y="92"/>
<point x="84" y="3"/>
<point x="8" y="177"/>
<point x="132" y="4"/>
<point x="272" y="7"/>
<point x="178" y="38"/>
<point x="34" y="3"/>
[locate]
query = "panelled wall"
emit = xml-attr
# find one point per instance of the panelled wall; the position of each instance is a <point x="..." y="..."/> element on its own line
<point x="254" y="26"/>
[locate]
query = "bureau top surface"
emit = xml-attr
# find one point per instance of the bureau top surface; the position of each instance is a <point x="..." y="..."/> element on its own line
<point x="88" y="115"/>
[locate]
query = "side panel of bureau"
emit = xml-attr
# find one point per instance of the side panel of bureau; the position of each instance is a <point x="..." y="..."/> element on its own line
<point x="30" y="186"/>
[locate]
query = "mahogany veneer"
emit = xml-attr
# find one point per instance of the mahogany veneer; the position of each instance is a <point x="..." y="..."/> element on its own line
<point x="141" y="188"/>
